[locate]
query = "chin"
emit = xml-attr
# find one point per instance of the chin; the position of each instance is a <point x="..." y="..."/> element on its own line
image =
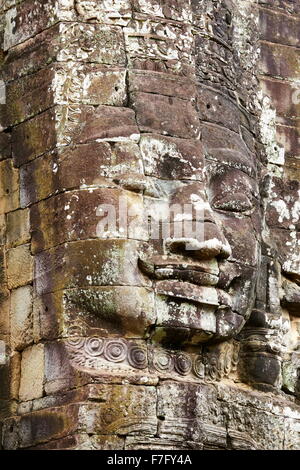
<point x="184" y="322"/>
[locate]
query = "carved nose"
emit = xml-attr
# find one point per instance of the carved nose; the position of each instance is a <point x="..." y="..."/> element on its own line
<point x="210" y="244"/>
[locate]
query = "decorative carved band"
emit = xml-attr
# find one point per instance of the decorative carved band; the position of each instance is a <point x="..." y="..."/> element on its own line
<point x="94" y="352"/>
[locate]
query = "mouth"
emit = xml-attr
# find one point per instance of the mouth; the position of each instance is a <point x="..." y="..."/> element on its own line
<point x="205" y="273"/>
<point x="202" y="295"/>
<point x="194" y="282"/>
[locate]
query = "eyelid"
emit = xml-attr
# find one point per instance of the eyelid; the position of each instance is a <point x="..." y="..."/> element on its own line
<point x="237" y="202"/>
<point x="138" y="183"/>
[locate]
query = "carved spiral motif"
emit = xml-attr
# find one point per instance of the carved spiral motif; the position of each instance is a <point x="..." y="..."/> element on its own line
<point x="198" y="367"/>
<point x="94" y="346"/>
<point x="115" y="351"/>
<point x="163" y="362"/>
<point x="183" y="364"/>
<point x="137" y="357"/>
<point x="76" y="343"/>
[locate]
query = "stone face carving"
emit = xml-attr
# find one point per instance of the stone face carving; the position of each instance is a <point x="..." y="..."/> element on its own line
<point x="150" y="211"/>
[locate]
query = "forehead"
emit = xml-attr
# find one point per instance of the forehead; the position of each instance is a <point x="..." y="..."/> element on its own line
<point x="228" y="148"/>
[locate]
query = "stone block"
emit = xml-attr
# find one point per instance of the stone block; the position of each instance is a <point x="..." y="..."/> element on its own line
<point x="5" y="309"/>
<point x="218" y="137"/>
<point x="287" y="244"/>
<point x="107" y="123"/>
<point x="216" y="107"/>
<point x="125" y="409"/>
<point x="39" y="427"/>
<point x="65" y="42"/>
<point x="9" y="187"/>
<point x="80" y="215"/>
<point x="166" y="115"/>
<point x="172" y="158"/>
<point x="89" y="263"/>
<point x="178" y="11"/>
<point x="161" y="83"/>
<point x="105" y="12"/>
<point x="2" y="229"/>
<point x="190" y="412"/>
<point x="30" y="17"/>
<point x="289" y="138"/>
<point x="62" y="84"/>
<point x="150" y="45"/>
<point x="280" y="61"/>
<point x="19" y="266"/>
<point x="282" y="210"/>
<point x="119" y="310"/>
<point x="59" y="374"/>
<point x="21" y="317"/>
<point x="285" y="96"/>
<point x="18" y="228"/>
<point x="67" y="168"/>
<point x="34" y="137"/>
<point x="291" y="297"/>
<point x="5" y="145"/>
<point x="288" y="6"/>
<point x="64" y="125"/>
<point x="32" y="373"/>
<point x="278" y="27"/>
<point x="28" y="96"/>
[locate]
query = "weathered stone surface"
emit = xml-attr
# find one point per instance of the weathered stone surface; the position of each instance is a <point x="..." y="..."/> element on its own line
<point x="125" y="409"/>
<point x="39" y="427"/>
<point x="280" y="61"/>
<point x="59" y="374"/>
<point x="279" y="27"/>
<point x="58" y="268"/>
<point x="18" y="227"/>
<point x="5" y="145"/>
<point x="217" y="108"/>
<point x="61" y="84"/>
<point x="19" y="266"/>
<point x="161" y="84"/>
<point x="150" y="46"/>
<point x="288" y="136"/>
<point x="284" y="96"/>
<point x="34" y="137"/>
<point x="32" y="373"/>
<point x="289" y="6"/>
<point x="30" y="17"/>
<point x="67" y="168"/>
<point x="291" y="297"/>
<point x="64" y="125"/>
<point x="284" y="204"/>
<point x="66" y="212"/>
<point x="66" y="41"/>
<point x="32" y="94"/>
<point x="171" y="158"/>
<point x="127" y="311"/>
<point x="9" y="190"/>
<point x="21" y="317"/>
<point x="165" y="115"/>
<point x="149" y="338"/>
<point x="198" y="417"/>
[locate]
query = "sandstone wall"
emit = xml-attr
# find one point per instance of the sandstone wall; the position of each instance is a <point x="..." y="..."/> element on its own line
<point x="88" y="85"/>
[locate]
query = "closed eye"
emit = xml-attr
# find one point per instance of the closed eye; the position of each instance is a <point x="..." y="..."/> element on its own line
<point x="138" y="183"/>
<point x="236" y="202"/>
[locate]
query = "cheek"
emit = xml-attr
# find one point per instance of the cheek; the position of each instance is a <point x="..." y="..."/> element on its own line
<point x="240" y="281"/>
<point x="240" y="234"/>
